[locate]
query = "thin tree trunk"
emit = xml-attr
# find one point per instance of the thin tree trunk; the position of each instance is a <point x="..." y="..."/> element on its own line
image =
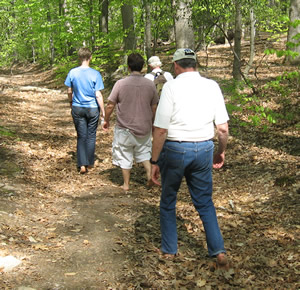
<point x="51" y="40"/>
<point x="30" y="23"/>
<point x="68" y="45"/>
<point x="148" y="34"/>
<point x="252" y="42"/>
<point x="92" y="32"/>
<point x="237" y="41"/>
<point x="103" y="23"/>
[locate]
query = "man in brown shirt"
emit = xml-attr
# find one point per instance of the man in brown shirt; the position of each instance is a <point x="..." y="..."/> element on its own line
<point x="136" y="100"/>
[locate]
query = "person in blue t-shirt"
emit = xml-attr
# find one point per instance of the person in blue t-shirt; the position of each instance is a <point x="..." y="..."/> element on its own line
<point x="86" y="101"/>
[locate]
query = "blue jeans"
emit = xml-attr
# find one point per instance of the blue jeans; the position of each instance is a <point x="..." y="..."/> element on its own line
<point x="86" y="123"/>
<point x="192" y="160"/>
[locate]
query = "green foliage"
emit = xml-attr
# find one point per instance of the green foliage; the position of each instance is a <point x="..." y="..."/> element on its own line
<point x="281" y="53"/>
<point x="256" y="107"/>
<point x="293" y="78"/>
<point x="250" y="105"/>
<point x="39" y="30"/>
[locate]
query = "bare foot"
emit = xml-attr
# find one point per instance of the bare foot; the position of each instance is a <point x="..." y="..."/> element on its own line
<point x="222" y="262"/>
<point x="166" y="256"/>
<point x="125" y="187"/>
<point x="83" y="170"/>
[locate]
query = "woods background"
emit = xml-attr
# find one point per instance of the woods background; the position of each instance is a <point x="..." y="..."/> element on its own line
<point x="49" y="32"/>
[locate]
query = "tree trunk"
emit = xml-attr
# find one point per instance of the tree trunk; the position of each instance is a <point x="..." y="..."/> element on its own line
<point x="68" y="27"/>
<point x="30" y="23"/>
<point x="92" y="32"/>
<point x="148" y="34"/>
<point x="103" y="23"/>
<point x="252" y="41"/>
<point x="294" y="33"/>
<point x="60" y="8"/>
<point x="51" y="36"/>
<point x="184" y="32"/>
<point x="237" y="41"/>
<point x="128" y="27"/>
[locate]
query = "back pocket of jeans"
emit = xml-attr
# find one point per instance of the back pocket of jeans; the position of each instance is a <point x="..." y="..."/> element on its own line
<point x="174" y="158"/>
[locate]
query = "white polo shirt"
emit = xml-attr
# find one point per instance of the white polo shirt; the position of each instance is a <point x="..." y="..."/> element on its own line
<point x="189" y="107"/>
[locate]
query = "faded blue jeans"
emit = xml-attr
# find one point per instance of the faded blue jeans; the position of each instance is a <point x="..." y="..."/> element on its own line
<point x="86" y="123"/>
<point x="192" y="160"/>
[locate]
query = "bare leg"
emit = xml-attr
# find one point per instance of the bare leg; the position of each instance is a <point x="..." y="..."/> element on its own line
<point x="126" y="178"/>
<point x="147" y="166"/>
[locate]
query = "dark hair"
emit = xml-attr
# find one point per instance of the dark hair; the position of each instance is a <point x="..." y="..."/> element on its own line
<point x="135" y="62"/>
<point x="84" y="54"/>
<point x="186" y="63"/>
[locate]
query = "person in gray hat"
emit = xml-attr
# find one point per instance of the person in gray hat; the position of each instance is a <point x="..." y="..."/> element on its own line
<point x="189" y="108"/>
<point x="155" y="66"/>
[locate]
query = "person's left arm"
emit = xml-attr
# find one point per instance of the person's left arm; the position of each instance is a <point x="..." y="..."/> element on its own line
<point x="219" y="156"/>
<point x="100" y="102"/>
<point x="70" y="95"/>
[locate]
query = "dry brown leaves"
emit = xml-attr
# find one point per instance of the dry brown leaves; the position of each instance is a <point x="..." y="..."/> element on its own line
<point x="82" y="231"/>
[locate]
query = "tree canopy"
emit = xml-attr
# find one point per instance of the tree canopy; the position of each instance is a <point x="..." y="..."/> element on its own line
<point x="50" y="31"/>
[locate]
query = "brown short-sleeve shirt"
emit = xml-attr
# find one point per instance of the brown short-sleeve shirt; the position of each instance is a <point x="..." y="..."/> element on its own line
<point x="134" y="97"/>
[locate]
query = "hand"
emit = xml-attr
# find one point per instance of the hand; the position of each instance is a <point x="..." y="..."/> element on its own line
<point x="105" y="125"/>
<point x="218" y="160"/>
<point x="155" y="173"/>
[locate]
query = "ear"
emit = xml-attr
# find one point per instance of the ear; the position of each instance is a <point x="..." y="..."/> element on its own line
<point x="176" y="66"/>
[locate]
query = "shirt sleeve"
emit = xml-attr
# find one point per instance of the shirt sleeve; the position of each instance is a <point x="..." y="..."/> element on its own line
<point x="68" y="82"/>
<point x="168" y="76"/>
<point x="155" y="96"/>
<point x="149" y="77"/>
<point x="113" y="97"/>
<point x="99" y="82"/>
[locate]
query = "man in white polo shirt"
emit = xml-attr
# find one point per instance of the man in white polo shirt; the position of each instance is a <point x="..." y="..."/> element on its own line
<point x="189" y="107"/>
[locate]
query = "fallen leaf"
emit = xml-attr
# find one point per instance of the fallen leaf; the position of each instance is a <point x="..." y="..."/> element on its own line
<point x="70" y="274"/>
<point x="201" y="283"/>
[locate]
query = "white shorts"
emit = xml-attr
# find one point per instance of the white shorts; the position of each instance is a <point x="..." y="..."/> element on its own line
<point x="126" y="148"/>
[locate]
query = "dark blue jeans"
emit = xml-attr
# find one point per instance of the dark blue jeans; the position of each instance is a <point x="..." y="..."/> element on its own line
<point x="192" y="160"/>
<point x="86" y="123"/>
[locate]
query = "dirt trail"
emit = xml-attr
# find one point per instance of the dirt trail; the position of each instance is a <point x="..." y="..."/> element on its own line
<point x="65" y="227"/>
<point x="76" y="231"/>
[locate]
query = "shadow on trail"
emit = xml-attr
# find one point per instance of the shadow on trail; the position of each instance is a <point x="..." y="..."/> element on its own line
<point x="137" y="176"/>
<point x="275" y="138"/>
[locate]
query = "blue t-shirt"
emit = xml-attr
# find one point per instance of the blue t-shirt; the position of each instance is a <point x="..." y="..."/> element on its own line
<point x="84" y="81"/>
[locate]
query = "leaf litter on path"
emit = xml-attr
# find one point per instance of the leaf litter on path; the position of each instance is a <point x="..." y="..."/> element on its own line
<point x="77" y="231"/>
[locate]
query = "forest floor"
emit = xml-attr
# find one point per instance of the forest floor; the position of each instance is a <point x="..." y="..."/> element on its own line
<point x="74" y="231"/>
